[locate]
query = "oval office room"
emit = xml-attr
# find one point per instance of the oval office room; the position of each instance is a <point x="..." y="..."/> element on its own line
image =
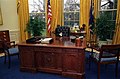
<point x="59" y="39"/>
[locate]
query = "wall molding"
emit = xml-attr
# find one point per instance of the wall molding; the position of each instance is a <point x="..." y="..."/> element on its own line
<point x="14" y="35"/>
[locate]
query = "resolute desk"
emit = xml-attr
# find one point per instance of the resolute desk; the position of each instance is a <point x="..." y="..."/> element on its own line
<point x="61" y="57"/>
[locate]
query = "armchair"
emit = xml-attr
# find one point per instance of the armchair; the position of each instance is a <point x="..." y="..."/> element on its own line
<point x="8" y="47"/>
<point x="9" y="50"/>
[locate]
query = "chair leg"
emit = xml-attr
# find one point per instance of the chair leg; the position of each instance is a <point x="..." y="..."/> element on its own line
<point x="9" y="61"/>
<point x="98" y="76"/>
<point x="5" y="59"/>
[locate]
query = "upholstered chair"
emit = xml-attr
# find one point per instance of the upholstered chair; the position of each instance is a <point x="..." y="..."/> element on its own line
<point x="106" y="54"/>
<point x="10" y="49"/>
<point x="62" y="31"/>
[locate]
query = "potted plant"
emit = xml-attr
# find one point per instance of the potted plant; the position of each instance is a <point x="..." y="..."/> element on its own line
<point x="35" y="26"/>
<point x="103" y="27"/>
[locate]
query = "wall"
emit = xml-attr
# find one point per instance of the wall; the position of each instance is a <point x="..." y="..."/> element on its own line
<point x="10" y="18"/>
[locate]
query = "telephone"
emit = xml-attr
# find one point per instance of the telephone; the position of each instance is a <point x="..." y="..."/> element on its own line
<point x="33" y="40"/>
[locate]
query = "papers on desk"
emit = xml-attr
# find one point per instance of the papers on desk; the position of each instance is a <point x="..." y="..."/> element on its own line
<point x="47" y="40"/>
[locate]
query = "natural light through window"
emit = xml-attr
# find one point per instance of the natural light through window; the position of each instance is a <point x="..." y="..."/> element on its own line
<point x="36" y="6"/>
<point x="71" y="12"/>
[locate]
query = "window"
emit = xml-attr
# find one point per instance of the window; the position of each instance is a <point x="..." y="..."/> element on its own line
<point x="108" y="4"/>
<point x="37" y="7"/>
<point x="71" y="12"/>
<point x="109" y="8"/>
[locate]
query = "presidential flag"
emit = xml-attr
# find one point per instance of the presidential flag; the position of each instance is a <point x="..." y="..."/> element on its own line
<point x="91" y="19"/>
<point x="49" y="16"/>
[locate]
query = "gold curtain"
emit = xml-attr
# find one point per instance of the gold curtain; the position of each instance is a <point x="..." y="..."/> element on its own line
<point x="23" y="14"/>
<point x="84" y="15"/>
<point x="57" y="14"/>
<point x="116" y="39"/>
<point x="96" y="8"/>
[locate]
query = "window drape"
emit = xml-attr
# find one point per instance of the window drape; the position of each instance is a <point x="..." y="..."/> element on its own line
<point x="116" y="39"/>
<point x="84" y="15"/>
<point x="57" y="14"/>
<point x="23" y="14"/>
<point x="96" y="8"/>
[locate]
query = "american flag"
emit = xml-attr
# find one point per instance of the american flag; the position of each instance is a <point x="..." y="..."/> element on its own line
<point x="49" y="16"/>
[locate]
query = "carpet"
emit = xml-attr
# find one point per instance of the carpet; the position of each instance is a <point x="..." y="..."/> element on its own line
<point x="15" y="73"/>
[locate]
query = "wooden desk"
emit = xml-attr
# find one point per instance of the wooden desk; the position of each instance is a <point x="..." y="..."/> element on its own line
<point x="61" y="57"/>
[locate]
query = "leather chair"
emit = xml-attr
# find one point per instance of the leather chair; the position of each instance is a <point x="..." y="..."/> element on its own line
<point x="62" y="31"/>
<point x="107" y="54"/>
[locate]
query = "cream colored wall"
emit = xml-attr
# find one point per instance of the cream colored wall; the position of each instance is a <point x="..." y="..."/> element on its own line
<point x="10" y="17"/>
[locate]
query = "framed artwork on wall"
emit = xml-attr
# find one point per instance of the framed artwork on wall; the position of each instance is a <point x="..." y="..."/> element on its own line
<point x="1" y="21"/>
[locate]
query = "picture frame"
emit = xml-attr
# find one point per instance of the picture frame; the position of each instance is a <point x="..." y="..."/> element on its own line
<point x="1" y="21"/>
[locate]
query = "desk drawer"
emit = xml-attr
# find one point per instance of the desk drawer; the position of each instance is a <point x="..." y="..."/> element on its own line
<point x="25" y="48"/>
<point x="70" y="50"/>
<point x="48" y="49"/>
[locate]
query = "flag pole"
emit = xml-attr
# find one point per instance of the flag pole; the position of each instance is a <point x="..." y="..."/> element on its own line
<point x="91" y="20"/>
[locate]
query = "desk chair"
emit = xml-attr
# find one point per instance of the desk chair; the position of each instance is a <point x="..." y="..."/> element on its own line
<point x="62" y="31"/>
<point x="107" y="54"/>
